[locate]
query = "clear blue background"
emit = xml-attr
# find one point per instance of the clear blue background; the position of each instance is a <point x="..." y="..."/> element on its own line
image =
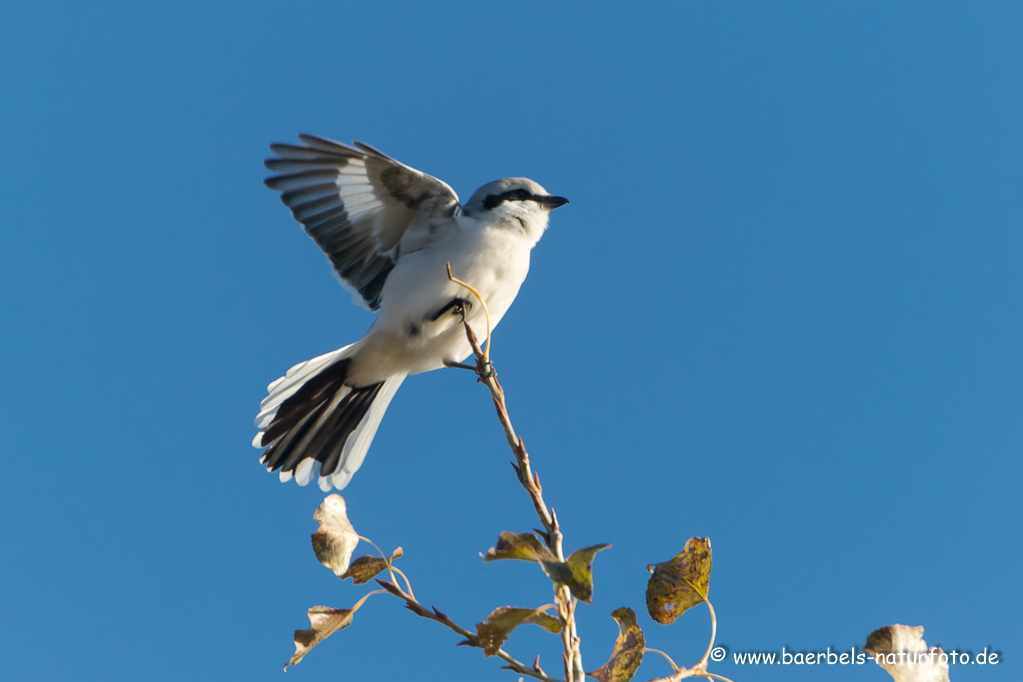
<point x="783" y="310"/>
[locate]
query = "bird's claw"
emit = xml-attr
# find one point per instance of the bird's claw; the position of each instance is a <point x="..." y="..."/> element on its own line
<point x="485" y="371"/>
<point x="456" y="306"/>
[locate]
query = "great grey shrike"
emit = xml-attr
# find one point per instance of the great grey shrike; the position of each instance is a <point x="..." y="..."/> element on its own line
<point x="388" y="231"/>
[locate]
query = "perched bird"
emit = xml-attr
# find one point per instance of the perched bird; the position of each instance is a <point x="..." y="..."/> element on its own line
<point x="389" y="231"/>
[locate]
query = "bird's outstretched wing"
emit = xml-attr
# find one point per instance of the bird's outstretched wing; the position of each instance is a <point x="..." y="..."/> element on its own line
<point x="356" y="203"/>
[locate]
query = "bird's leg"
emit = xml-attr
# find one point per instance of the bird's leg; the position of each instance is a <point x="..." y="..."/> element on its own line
<point x="487" y="372"/>
<point x="457" y="306"/>
<point x="459" y="365"/>
<point x="485" y="369"/>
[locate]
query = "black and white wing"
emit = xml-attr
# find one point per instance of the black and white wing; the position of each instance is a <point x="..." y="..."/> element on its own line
<point x="356" y="203"/>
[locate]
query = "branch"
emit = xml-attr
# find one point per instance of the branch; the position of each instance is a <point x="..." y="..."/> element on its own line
<point x="470" y="638"/>
<point x="527" y="477"/>
<point x="530" y="481"/>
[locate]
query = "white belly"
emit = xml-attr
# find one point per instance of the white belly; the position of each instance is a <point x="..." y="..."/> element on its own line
<point x="403" y="338"/>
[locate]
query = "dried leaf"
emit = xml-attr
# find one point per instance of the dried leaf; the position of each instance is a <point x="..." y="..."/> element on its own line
<point x="903" y="653"/>
<point x="496" y="627"/>
<point x="364" y="569"/>
<point x="628" y="650"/>
<point x="522" y="546"/>
<point x="335" y="539"/>
<point x="576" y="571"/>
<point x="679" y="584"/>
<point x="325" y="621"/>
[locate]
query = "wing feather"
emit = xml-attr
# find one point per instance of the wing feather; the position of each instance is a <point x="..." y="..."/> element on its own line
<point x="356" y="203"/>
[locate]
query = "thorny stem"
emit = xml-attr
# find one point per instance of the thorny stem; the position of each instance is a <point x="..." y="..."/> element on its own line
<point x="470" y="637"/>
<point x="530" y="481"/>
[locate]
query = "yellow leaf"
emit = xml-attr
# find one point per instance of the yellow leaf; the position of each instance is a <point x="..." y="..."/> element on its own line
<point x="522" y="546"/>
<point x="576" y="572"/>
<point x="679" y="584"/>
<point x="495" y="628"/>
<point x="628" y="650"/>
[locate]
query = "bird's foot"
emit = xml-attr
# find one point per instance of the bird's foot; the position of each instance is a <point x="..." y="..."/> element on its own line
<point x="486" y="372"/>
<point x="456" y="306"/>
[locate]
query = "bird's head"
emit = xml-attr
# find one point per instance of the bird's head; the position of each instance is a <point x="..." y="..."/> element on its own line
<point x="518" y="201"/>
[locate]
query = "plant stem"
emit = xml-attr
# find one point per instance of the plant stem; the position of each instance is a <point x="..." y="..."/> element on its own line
<point x="530" y="481"/>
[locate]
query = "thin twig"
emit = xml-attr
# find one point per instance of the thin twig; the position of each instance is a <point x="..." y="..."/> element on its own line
<point x="470" y="637"/>
<point x="486" y="310"/>
<point x="408" y="585"/>
<point x="527" y="478"/>
<point x="674" y="666"/>
<point x="713" y="629"/>
<point x="713" y="676"/>
<point x="700" y="669"/>
<point x="387" y="560"/>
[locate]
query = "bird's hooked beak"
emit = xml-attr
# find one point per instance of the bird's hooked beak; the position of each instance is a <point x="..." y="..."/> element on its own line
<point x="551" y="203"/>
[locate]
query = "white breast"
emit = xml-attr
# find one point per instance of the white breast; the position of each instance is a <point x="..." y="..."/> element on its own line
<point x="493" y="260"/>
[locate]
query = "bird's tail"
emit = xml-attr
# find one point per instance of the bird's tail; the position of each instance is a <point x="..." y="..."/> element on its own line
<point x="314" y="425"/>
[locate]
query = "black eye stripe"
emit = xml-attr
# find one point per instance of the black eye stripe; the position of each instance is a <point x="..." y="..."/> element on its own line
<point x="494" y="200"/>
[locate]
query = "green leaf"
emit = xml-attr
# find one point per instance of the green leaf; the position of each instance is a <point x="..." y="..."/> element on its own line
<point x="576" y="572"/>
<point x="679" y="584"/>
<point x="522" y="546"/>
<point x="628" y="650"/>
<point x="364" y="569"/>
<point x="325" y="621"/>
<point x="495" y="628"/>
<point x="335" y="539"/>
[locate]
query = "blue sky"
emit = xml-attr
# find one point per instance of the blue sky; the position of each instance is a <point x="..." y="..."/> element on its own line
<point x="783" y="310"/>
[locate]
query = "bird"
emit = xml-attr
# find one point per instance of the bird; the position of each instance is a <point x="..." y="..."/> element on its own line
<point x="390" y="233"/>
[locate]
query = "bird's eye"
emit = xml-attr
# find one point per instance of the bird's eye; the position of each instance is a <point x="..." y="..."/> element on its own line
<point x="495" y="200"/>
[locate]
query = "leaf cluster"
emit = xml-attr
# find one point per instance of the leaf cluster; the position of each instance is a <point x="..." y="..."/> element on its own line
<point x="674" y="586"/>
<point x="575" y="573"/>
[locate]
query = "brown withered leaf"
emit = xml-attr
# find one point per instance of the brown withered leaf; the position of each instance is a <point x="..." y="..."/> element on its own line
<point x="335" y="539"/>
<point x="628" y="650"/>
<point x="576" y="571"/>
<point x="903" y="653"/>
<point x="679" y="584"/>
<point x="325" y="621"/>
<point x="364" y="569"/>
<point x="522" y="546"/>
<point x="495" y="628"/>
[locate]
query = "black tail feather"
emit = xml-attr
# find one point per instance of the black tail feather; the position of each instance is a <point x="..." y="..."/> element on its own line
<point x="330" y="452"/>
<point x="288" y="435"/>
<point x="309" y="395"/>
